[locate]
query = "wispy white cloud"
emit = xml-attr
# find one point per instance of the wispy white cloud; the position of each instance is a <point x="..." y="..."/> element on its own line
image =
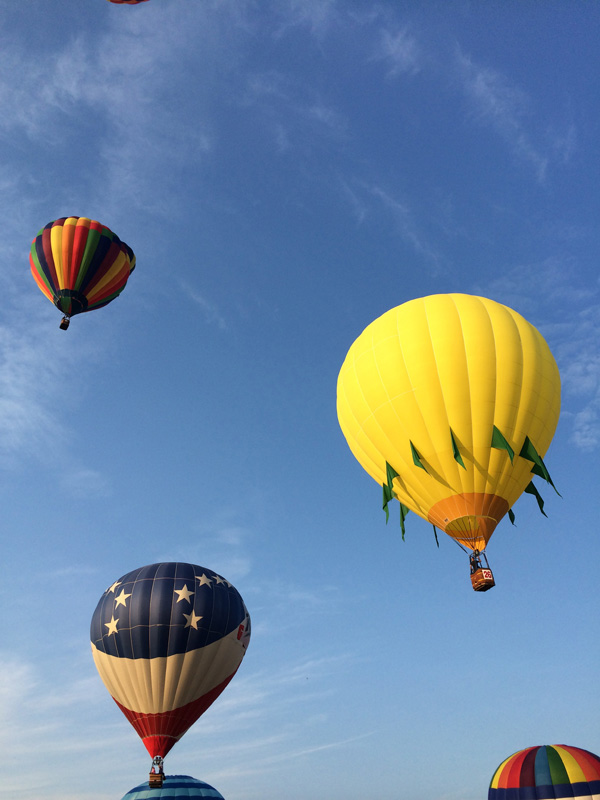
<point x="210" y="312"/>
<point x="315" y="748"/>
<point x="37" y="394"/>
<point x="578" y="355"/>
<point x="84" y="482"/>
<point x="328" y="117"/>
<point x="233" y="535"/>
<point x="17" y="679"/>
<point x="315" y="15"/>
<point x="503" y="106"/>
<point x="19" y="189"/>
<point x="29" y="382"/>
<point x="567" y="313"/>
<point x="358" y="205"/>
<point x="54" y="718"/>
<point x="542" y="286"/>
<point x="493" y="100"/>
<point x="269" y="84"/>
<point x="111" y="84"/>
<point x="586" y="425"/>
<point x="282" y="708"/>
<point x="264" y="718"/>
<point x="20" y="106"/>
<point x="282" y="138"/>
<point x="32" y="709"/>
<point x="563" y="142"/>
<point x="252" y="693"/>
<point x="311" y="598"/>
<point x="296" y="115"/>
<point x="407" y="226"/>
<point x="73" y="570"/>
<point x="221" y="544"/>
<point x="367" y="200"/>
<point x="400" y="51"/>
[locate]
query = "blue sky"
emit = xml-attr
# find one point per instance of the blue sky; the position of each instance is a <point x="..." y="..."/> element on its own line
<point x="286" y="172"/>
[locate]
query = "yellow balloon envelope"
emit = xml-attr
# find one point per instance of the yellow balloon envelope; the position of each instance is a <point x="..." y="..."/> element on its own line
<point x="460" y="396"/>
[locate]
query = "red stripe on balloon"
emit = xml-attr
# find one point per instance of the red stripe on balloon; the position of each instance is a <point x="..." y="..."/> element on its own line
<point x="160" y="732"/>
<point x="512" y="771"/>
<point x="528" y="768"/>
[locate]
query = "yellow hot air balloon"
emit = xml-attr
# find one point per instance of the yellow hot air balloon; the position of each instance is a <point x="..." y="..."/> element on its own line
<point x="450" y="402"/>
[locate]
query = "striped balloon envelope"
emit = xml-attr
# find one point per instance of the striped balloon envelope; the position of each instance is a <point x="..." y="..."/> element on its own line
<point x="80" y="264"/>
<point x="174" y="786"/>
<point x="547" y="772"/>
<point x="167" y="639"/>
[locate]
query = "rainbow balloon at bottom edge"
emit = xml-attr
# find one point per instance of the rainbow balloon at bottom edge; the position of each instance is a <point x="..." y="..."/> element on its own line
<point x="547" y="772"/>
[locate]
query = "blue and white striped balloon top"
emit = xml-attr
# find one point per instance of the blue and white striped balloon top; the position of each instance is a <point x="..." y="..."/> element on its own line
<point x="174" y="788"/>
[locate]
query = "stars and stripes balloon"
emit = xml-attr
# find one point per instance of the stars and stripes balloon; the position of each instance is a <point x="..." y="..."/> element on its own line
<point x="174" y="786"/>
<point x="449" y="402"/>
<point x="80" y="264"/>
<point x="547" y="772"/>
<point x="167" y="639"/>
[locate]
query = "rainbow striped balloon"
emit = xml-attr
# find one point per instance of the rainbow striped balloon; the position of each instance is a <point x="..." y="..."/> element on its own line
<point x="547" y="772"/>
<point x="80" y="264"/>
